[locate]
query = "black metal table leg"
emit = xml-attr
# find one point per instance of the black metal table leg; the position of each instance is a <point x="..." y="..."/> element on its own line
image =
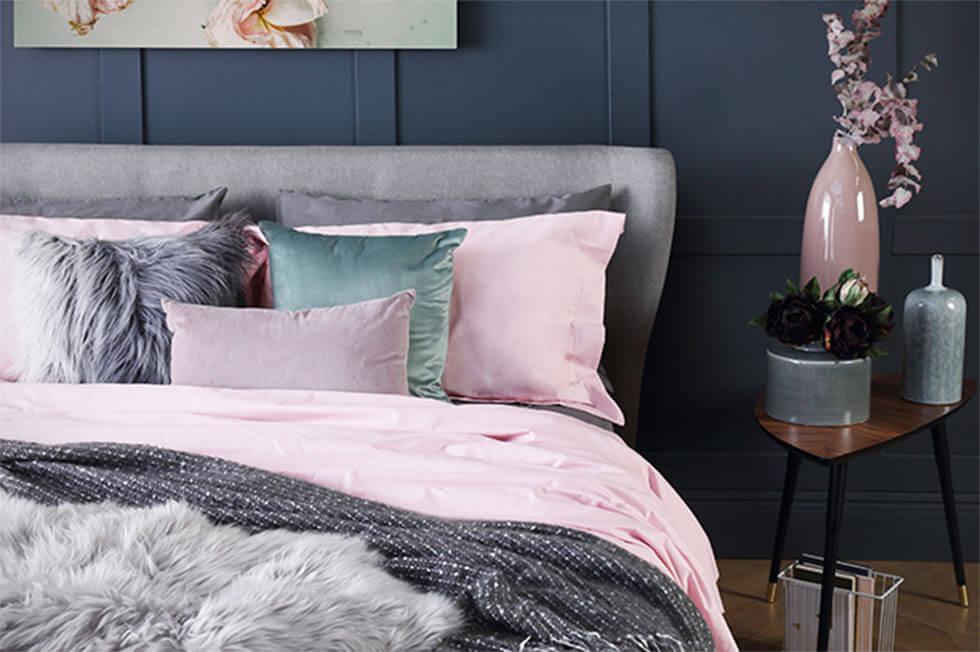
<point x="940" y="447"/>
<point x="835" y="511"/>
<point x="785" y="507"/>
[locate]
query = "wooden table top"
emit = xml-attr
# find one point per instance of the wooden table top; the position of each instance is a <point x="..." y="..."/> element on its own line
<point x="892" y="417"/>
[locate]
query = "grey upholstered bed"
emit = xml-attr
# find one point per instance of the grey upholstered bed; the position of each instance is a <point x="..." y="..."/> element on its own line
<point x="643" y="187"/>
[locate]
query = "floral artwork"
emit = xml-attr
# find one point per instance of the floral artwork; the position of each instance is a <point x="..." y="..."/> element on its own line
<point x="846" y="320"/>
<point x="264" y="23"/>
<point x="873" y="112"/>
<point x="83" y="14"/>
<point x="273" y="24"/>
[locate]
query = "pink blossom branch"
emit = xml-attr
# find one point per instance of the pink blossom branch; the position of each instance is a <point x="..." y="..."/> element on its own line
<point x="870" y="112"/>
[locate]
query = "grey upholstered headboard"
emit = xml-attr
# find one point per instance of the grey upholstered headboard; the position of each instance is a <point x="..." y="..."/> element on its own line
<point x="643" y="187"/>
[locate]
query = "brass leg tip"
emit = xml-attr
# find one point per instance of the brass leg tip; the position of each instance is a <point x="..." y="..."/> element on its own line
<point x="964" y="597"/>
<point x="771" y="592"/>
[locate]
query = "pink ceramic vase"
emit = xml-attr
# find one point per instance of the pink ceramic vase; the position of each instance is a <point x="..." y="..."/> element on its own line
<point x="841" y="226"/>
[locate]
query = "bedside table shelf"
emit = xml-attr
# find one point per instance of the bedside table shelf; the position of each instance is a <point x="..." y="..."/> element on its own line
<point x="892" y="418"/>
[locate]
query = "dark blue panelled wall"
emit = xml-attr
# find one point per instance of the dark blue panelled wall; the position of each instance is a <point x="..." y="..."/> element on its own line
<point x="738" y="91"/>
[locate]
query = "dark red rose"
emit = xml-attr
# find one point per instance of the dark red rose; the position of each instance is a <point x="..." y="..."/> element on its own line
<point x="795" y="320"/>
<point x="848" y="334"/>
<point x="881" y="314"/>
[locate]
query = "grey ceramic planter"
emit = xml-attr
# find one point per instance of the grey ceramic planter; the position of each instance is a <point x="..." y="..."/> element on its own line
<point x="935" y="340"/>
<point x="810" y="387"/>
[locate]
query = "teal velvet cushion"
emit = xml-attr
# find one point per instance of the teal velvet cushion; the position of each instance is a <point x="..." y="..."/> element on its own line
<point x="318" y="271"/>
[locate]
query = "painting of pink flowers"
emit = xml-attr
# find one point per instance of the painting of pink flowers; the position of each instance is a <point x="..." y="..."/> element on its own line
<point x="264" y="23"/>
<point x="871" y="112"/>
<point x="269" y="24"/>
<point x="83" y="14"/>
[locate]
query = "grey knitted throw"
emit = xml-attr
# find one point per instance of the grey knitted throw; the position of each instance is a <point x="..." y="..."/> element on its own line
<point x="522" y="586"/>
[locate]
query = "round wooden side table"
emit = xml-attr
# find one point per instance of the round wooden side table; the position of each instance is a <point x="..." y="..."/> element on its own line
<point x="892" y="418"/>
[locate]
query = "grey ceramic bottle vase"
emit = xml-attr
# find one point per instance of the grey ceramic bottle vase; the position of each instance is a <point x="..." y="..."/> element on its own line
<point x="935" y="338"/>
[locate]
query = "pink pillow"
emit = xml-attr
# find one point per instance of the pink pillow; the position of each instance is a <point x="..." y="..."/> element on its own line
<point x="362" y="347"/>
<point x="526" y="321"/>
<point x="12" y="229"/>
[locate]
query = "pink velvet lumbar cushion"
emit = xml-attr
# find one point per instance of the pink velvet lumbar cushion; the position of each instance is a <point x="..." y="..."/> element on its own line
<point x="12" y="230"/>
<point x="360" y="347"/>
<point x="526" y="320"/>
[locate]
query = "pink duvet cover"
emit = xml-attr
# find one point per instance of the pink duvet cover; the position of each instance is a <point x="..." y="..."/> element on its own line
<point x="469" y="461"/>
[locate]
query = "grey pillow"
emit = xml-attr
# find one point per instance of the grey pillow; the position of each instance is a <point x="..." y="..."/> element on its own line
<point x="206" y="206"/>
<point x="91" y="309"/>
<point x="297" y="209"/>
<point x="590" y="419"/>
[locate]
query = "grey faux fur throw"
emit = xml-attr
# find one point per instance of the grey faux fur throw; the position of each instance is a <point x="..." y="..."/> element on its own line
<point x="90" y="309"/>
<point x="99" y="576"/>
<point x="521" y="586"/>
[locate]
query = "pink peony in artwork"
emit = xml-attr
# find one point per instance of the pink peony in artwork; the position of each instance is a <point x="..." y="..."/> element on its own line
<point x="873" y="112"/>
<point x="83" y="14"/>
<point x="264" y="23"/>
<point x="232" y="23"/>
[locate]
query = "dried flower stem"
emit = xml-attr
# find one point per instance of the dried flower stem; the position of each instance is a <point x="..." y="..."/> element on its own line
<point x="872" y="112"/>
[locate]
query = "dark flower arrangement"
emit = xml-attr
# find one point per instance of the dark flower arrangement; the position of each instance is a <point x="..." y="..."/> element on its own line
<point x="847" y="319"/>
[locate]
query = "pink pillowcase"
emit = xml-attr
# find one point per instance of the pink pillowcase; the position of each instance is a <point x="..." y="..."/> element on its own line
<point x="526" y="322"/>
<point x="12" y="229"/>
<point x="362" y="347"/>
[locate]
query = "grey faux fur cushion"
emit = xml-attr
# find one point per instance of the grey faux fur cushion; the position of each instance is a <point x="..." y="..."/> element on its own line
<point x="91" y="308"/>
<point x="104" y="577"/>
